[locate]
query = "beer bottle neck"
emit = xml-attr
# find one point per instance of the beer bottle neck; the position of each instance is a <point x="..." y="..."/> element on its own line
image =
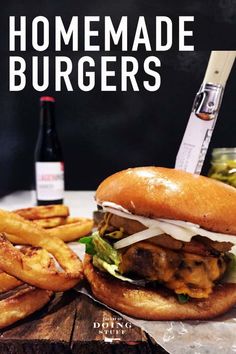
<point x="47" y="119"/>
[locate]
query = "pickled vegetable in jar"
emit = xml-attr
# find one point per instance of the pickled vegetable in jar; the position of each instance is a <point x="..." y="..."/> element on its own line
<point x="223" y="165"/>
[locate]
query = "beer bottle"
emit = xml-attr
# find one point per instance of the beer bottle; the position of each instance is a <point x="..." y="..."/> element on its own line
<point x="49" y="164"/>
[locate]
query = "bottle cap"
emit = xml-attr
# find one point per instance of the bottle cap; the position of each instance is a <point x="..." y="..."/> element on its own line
<point x="47" y="99"/>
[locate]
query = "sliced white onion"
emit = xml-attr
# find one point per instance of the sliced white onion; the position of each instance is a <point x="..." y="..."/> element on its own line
<point x="233" y="250"/>
<point x="214" y="236"/>
<point x="150" y="223"/>
<point x="178" y="229"/>
<point x="137" y="237"/>
<point x="114" y="206"/>
<point x="177" y="232"/>
<point x="180" y="223"/>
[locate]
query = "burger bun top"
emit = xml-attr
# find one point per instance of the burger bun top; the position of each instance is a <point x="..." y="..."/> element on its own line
<point x="157" y="192"/>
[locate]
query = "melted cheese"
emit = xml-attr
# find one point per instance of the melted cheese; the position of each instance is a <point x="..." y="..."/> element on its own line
<point x="185" y="273"/>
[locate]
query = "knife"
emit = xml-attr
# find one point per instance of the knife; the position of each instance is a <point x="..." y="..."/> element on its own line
<point x="197" y="136"/>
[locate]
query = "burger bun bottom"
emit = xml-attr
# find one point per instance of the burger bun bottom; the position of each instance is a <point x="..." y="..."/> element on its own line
<point x="159" y="304"/>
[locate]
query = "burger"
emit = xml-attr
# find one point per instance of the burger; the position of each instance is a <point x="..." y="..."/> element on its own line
<point x="164" y="248"/>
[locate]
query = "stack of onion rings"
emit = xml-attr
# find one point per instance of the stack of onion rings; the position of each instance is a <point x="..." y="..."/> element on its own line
<point x="57" y="222"/>
<point x="49" y="266"/>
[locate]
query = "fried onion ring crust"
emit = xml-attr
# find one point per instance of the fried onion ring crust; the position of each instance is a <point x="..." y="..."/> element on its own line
<point x="49" y="223"/>
<point x="156" y="304"/>
<point x="15" y="240"/>
<point x="33" y="235"/>
<point x="36" y="269"/>
<point x="44" y="211"/>
<point x="7" y="282"/>
<point x="22" y="304"/>
<point x="34" y="255"/>
<point x="73" y="230"/>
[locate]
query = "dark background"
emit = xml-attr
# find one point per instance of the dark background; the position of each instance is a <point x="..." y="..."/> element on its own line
<point x="102" y="132"/>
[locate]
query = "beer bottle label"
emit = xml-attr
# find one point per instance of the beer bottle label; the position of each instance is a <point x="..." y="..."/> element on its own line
<point x="50" y="180"/>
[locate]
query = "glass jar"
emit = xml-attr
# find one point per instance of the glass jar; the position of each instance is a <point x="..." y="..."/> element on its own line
<point x="223" y="165"/>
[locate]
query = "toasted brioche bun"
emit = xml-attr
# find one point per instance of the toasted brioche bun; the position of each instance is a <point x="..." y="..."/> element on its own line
<point x="159" y="304"/>
<point x="157" y="192"/>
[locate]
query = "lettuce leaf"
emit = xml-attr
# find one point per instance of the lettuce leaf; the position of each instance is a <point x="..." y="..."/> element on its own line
<point x="182" y="298"/>
<point x="105" y="257"/>
<point x="110" y="268"/>
<point x="105" y="251"/>
<point x="88" y="241"/>
<point x="230" y="276"/>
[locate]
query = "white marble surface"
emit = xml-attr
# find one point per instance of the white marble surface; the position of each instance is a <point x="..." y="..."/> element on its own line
<point x="81" y="203"/>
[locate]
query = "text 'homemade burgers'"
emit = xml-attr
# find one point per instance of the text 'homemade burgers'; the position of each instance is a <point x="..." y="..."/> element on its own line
<point x="164" y="247"/>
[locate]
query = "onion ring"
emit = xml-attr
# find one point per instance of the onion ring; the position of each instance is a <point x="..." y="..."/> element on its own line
<point x="22" y="304"/>
<point x="43" y="211"/>
<point x="7" y="282"/>
<point x="68" y="232"/>
<point x="35" y="255"/>
<point x="35" y="269"/>
<point x="15" y="239"/>
<point x="33" y="235"/>
<point x="73" y="219"/>
<point x="50" y="222"/>
<point x="72" y="230"/>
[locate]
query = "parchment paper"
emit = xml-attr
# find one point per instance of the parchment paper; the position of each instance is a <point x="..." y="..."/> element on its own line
<point x="188" y="337"/>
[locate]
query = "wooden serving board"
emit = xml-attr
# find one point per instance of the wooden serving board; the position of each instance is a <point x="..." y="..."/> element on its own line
<point x="73" y="323"/>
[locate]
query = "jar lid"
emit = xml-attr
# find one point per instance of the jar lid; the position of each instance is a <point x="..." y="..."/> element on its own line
<point x="228" y="153"/>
